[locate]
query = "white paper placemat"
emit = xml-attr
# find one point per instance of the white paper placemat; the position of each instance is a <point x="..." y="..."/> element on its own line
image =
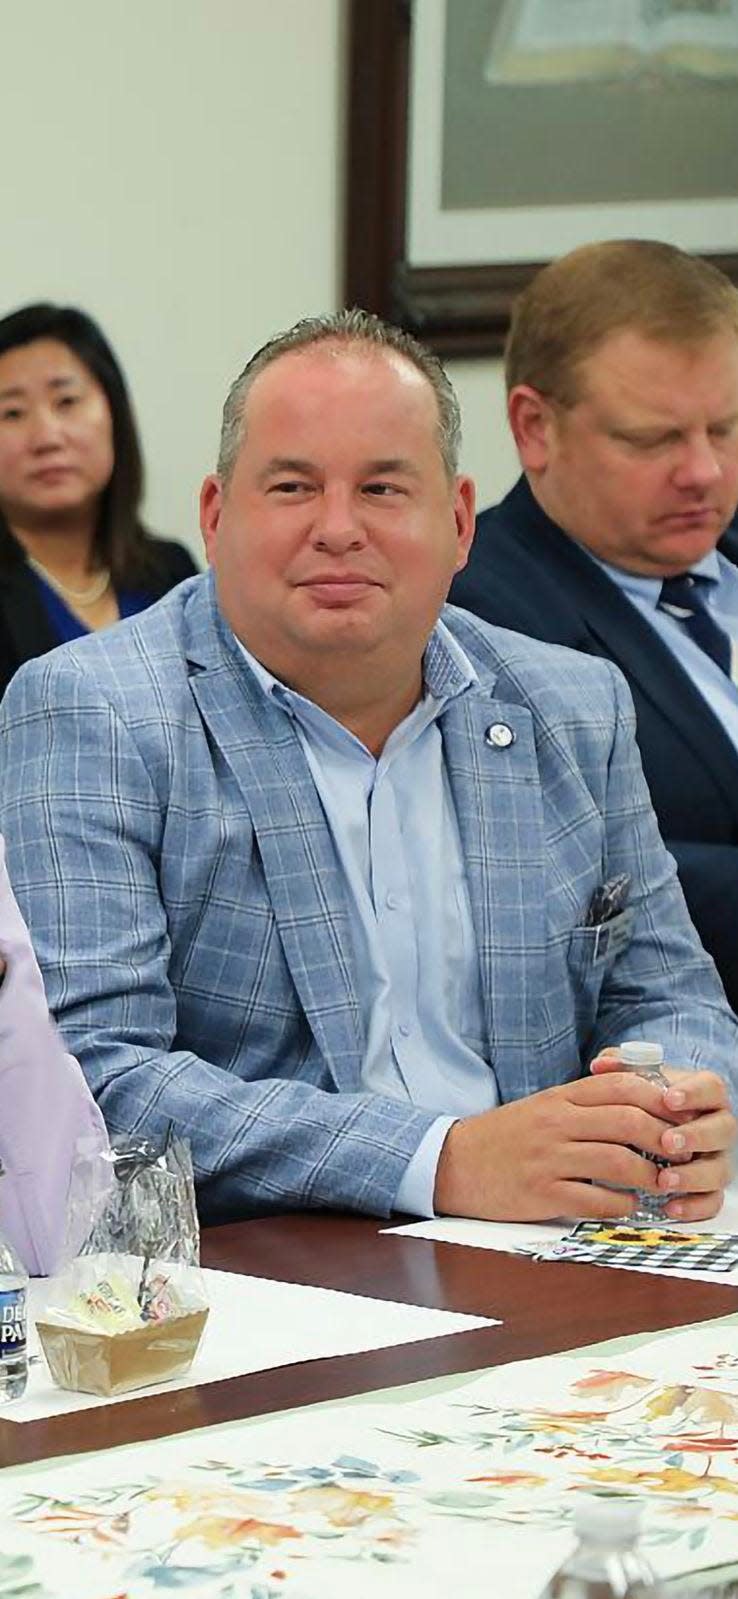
<point x="254" y="1325"/>
<point x="529" y="1238"/>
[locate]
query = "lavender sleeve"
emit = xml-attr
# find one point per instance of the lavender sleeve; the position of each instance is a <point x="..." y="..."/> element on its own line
<point x="45" y="1104"/>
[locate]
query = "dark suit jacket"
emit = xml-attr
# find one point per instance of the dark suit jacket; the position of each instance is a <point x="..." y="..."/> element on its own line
<point x="525" y="573"/>
<point x="25" y="629"/>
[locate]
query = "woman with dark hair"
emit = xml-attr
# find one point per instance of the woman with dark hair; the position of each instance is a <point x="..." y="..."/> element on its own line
<point x="74" y="555"/>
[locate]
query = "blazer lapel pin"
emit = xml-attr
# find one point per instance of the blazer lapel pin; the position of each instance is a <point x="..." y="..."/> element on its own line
<point x="499" y="736"/>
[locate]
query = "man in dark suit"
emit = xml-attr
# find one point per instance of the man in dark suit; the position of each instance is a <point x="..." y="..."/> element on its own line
<point x="622" y="377"/>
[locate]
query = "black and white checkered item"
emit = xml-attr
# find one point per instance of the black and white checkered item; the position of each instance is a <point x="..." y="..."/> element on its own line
<point x="647" y="1248"/>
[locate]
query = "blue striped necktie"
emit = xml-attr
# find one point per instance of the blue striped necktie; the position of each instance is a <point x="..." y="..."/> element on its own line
<point x="685" y="597"/>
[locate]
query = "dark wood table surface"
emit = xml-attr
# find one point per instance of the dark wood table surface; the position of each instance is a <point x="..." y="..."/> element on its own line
<point x="543" y="1307"/>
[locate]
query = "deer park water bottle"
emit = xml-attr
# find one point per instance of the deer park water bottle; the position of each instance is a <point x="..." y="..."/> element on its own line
<point x="606" y="1563"/>
<point x="13" y="1305"/>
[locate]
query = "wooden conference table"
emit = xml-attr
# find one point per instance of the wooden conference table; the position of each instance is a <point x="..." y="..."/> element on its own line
<point x="544" y="1307"/>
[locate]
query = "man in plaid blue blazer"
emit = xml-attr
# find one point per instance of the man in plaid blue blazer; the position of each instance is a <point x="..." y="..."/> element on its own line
<point x="354" y="895"/>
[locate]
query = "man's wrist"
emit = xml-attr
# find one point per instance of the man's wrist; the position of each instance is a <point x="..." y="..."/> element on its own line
<point x="453" y="1175"/>
<point x="415" y="1193"/>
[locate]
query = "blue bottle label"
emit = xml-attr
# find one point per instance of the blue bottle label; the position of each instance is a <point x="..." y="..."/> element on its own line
<point x="12" y="1323"/>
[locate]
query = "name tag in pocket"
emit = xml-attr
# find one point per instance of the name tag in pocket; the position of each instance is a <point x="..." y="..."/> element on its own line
<point x="612" y="937"/>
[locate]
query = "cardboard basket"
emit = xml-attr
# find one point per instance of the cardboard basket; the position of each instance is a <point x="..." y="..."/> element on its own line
<point x="113" y="1363"/>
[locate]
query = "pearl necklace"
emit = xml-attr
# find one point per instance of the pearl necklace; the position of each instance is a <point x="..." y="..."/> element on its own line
<point x="88" y="596"/>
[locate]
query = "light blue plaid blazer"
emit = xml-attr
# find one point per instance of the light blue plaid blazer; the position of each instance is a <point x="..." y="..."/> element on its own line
<point x="168" y="848"/>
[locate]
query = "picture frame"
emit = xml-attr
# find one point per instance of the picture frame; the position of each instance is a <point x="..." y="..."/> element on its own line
<point x="448" y="289"/>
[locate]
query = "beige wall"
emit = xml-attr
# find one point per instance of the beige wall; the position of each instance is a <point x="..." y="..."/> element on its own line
<point x="174" y="166"/>
<point x="488" y="450"/>
<point x="175" y="172"/>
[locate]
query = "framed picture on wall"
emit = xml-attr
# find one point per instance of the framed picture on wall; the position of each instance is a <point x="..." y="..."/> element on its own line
<point x="487" y="136"/>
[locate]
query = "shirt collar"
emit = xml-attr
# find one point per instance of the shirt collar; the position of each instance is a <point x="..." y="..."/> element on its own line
<point x="648" y="589"/>
<point x="447" y="671"/>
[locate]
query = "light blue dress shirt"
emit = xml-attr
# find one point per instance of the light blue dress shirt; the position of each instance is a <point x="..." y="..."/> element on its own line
<point x="722" y="602"/>
<point x="395" y="831"/>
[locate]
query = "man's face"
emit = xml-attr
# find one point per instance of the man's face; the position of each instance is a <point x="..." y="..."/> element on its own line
<point x="643" y="469"/>
<point x="339" y="531"/>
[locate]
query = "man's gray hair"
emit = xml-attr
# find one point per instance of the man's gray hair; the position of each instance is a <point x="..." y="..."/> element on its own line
<point x="352" y="327"/>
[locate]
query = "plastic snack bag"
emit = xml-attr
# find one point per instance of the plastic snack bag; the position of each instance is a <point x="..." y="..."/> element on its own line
<point x="129" y="1308"/>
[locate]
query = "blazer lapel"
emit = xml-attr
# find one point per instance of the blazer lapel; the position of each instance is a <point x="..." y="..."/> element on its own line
<point x="497" y="795"/>
<point x="624" y="636"/>
<point x="728" y="544"/>
<point x="264" y="755"/>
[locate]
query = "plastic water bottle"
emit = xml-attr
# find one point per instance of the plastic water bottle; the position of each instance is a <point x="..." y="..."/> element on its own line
<point x="13" y="1309"/>
<point x="606" y="1563"/>
<point x="646" y="1060"/>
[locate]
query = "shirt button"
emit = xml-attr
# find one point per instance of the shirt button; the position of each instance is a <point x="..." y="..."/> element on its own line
<point x="392" y="901"/>
<point x="405" y="1029"/>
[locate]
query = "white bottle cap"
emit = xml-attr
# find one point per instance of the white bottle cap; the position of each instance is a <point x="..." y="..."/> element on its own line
<point x="607" y="1521"/>
<point x="638" y="1053"/>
